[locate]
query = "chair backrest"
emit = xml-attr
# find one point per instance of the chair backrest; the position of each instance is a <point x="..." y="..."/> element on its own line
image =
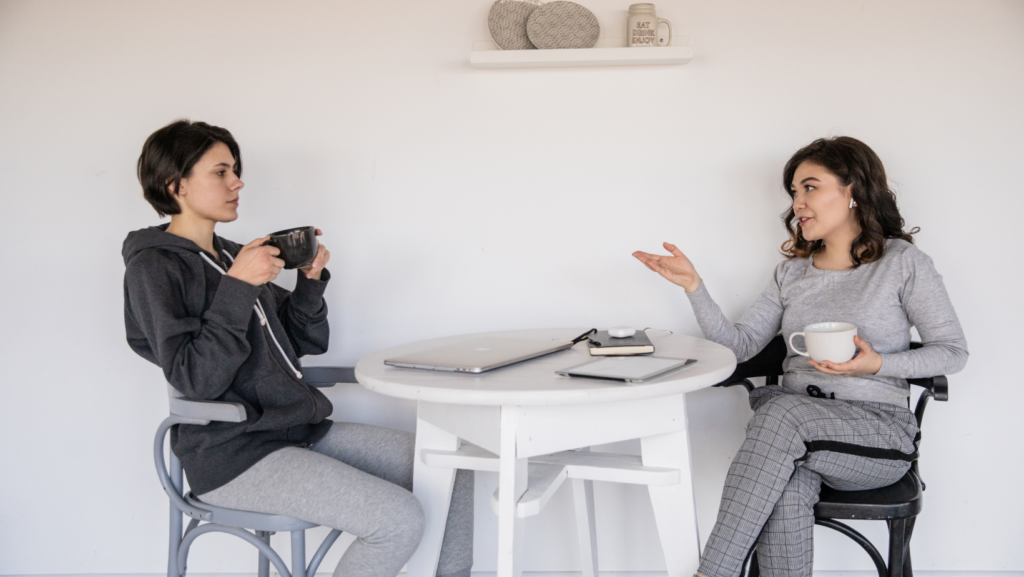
<point x="767" y="363"/>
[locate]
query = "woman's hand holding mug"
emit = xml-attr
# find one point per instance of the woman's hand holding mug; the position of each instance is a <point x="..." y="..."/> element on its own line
<point x="677" y="269"/>
<point x="867" y="362"/>
<point x="319" y="262"/>
<point x="257" y="264"/>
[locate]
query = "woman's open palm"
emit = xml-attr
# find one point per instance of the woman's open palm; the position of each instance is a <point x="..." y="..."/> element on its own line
<point x="676" y="269"/>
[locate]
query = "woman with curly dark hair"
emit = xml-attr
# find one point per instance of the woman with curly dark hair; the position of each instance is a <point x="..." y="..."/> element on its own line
<point x="848" y="260"/>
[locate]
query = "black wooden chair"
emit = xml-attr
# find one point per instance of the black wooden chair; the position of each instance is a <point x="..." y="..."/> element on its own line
<point x="898" y="504"/>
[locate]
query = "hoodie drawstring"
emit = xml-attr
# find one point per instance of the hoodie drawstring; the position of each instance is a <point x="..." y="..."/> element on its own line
<point x="260" y="312"/>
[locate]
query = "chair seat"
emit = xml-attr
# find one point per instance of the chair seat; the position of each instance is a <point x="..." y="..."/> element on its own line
<point x="900" y="500"/>
<point x="249" y="519"/>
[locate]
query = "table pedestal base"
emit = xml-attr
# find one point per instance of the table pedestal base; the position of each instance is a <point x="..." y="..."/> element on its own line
<point x="526" y="446"/>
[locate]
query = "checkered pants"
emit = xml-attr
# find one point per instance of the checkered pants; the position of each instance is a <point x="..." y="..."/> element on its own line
<point x="794" y="443"/>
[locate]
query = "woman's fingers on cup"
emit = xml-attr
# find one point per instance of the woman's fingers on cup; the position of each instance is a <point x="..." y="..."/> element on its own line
<point x="318" y="260"/>
<point x="870" y="361"/>
<point x="824" y="368"/>
<point x="310" y="270"/>
<point x="858" y="365"/>
<point x="839" y="367"/>
<point x="256" y="243"/>
<point x="319" y="232"/>
<point x="862" y="344"/>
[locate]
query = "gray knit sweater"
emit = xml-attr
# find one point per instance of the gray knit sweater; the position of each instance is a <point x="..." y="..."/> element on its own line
<point x="884" y="299"/>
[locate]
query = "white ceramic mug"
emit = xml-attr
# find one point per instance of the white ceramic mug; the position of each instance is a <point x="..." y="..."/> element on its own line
<point x="827" y="342"/>
<point x="642" y="27"/>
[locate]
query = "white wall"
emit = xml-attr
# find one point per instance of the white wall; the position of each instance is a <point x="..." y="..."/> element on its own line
<point x="456" y="200"/>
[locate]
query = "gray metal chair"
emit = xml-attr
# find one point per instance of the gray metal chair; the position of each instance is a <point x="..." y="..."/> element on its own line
<point x="255" y="528"/>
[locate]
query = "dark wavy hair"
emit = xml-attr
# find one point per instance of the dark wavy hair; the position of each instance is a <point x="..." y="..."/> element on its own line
<point x="169" y="155"/>
<point x="854" y="164"/>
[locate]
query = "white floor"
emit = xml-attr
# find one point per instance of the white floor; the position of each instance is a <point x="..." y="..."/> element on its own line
<point x="572" y="574"/>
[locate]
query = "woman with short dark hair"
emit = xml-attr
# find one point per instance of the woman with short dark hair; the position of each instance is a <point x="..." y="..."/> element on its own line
<point x="845" y="424"/>
<point x="207" y="312"/>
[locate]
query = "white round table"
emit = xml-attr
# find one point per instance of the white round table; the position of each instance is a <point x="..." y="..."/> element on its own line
<point x="529" y="424"/>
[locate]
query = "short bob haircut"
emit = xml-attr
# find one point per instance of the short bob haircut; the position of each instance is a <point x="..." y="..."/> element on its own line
<point x="169" y="155"/>
<point x="855" y="165"/>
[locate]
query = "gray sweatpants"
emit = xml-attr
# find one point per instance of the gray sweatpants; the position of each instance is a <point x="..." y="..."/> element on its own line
<point x="794" y="443"/>
<point x="357" y="479"/>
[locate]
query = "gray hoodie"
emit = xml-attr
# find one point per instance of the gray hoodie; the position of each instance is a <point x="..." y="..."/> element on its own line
<point x="221" y="339"/>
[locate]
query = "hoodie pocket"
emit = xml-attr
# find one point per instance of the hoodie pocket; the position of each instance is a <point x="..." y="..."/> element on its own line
<point x="283" y="404"/>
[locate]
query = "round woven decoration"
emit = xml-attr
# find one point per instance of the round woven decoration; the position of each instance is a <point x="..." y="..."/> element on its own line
<point x="563" y="24"/>
<point x="507" y="21"/>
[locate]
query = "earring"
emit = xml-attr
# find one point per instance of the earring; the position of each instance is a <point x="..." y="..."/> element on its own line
<point x="853" y="203"/>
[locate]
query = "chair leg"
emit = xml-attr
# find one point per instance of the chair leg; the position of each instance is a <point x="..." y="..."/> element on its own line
<point x="176" y="519"/>
<point x="859" y="539"/>
<point x="318" y="557"/>
<point x="247" y="536"/>
<point x="264" y="567"/>
<point x="298" y="553"/>
<point x="897" y="548"/>
<point x="908" y="570"/>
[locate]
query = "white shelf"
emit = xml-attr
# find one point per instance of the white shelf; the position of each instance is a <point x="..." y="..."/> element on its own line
<point x="608" y="52"/>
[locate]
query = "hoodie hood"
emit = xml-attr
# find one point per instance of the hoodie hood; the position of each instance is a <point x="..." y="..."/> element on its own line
<point x="158" y="237"/>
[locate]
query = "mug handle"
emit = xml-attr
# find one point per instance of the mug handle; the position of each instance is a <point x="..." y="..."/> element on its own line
<point x="669" y="24"/>
<point x="792" y="346"/>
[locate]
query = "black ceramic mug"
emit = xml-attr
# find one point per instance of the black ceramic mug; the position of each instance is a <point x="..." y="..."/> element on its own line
<point x="298" y="246"/>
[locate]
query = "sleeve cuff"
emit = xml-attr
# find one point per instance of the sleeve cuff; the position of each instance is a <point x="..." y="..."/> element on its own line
<point x="309" y="293"/>
<point x="234" y="300"/>
<point x="890" y="366"/>
<point x="700" y="297"/>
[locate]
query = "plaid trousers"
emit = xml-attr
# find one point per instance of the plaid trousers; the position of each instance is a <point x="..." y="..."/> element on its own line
<point x="794" y="443"/>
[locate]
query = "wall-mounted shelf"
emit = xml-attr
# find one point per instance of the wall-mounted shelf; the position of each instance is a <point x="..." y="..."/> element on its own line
<point x="608" y="52"/>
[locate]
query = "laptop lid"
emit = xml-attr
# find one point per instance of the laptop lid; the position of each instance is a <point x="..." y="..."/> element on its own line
<point x="479" y="354"/>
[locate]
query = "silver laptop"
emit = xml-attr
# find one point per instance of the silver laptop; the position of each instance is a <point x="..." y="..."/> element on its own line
<point x="479" y="354"/>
